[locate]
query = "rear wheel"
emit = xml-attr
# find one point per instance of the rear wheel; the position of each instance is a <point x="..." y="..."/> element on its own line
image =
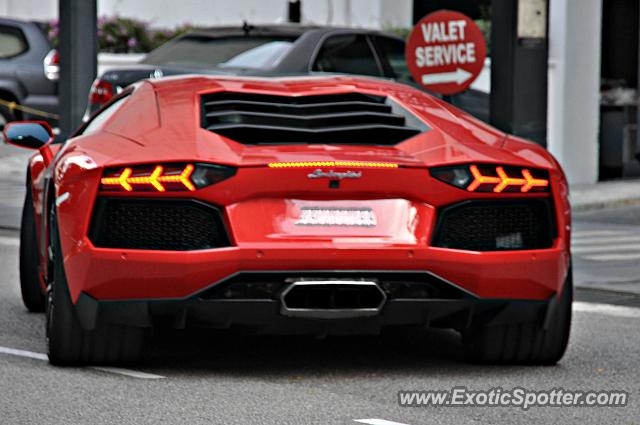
<point x="32" y="295"/>
<point x="523" y="343"/>
<point x="67" y="342"/>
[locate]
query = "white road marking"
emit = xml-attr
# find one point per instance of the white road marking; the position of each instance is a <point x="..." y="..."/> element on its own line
<point x="597" y="232"/>
<point x="613" y="257"/>
<point x="604" y="245"/>
<point x="9" y="241"/>
<point x="377" y="422"/>
<point x="128" y="372"/>
<point x="606" y="240"/>
<point x="607" y="309"/>
<point x="116" y="370"/>
<point x="626" y="247"/>
<point x="23" y="353"/>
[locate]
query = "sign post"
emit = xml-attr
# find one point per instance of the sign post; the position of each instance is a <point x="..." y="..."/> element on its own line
<point x="445" y="52"/>
<point x="78" y="50"/>
<point x="519" y="68"/>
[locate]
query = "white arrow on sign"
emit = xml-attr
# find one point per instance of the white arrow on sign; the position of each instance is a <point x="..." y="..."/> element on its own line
<point x="459" y="76"/>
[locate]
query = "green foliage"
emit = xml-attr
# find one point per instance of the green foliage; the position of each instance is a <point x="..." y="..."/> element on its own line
<point x="399" y="32"/>
<point x="123" y="35"/>
<point x="485" y="27"/>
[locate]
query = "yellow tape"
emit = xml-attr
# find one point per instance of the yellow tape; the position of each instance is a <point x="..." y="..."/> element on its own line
<point x="13" y="106"/>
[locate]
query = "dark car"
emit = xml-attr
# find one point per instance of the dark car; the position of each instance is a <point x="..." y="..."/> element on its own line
<point x="263" y="50"/>
<point x="28" y="73"/>
<point x="275" y="50"/>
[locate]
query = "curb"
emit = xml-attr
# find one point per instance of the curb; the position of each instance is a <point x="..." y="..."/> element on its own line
<point x="606" y="194"/>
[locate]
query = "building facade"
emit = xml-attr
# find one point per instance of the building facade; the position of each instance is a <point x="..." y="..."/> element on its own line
<point x="172" y="13"/>
<point x="593" y="45"/>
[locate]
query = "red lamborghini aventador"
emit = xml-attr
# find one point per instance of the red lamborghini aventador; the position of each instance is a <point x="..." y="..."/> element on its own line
<point x="298" y="205"/>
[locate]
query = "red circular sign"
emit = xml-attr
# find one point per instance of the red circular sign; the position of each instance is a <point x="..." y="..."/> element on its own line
<point x="445" y="52"/>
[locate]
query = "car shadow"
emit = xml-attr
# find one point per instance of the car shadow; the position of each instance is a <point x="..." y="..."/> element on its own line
<point x="398" y="352"/>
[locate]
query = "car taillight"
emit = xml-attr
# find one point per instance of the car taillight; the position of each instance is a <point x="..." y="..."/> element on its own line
<point x="355" y="164"/>
<point x="163" y="178"/>
<point x="101" y="92"/>
<point x="52" y="65"/>
<point x="492" y="178"/>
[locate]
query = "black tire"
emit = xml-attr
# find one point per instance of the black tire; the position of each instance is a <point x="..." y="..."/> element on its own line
<point x="32" y="295"/>
<point x="524" y="343"/>
<point x="70" y="345"/>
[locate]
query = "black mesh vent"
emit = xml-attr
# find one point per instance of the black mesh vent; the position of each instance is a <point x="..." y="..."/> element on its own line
<point x="349" y="118"/>
<point x="269" y="285"/>
<point x="157" y="224"/>
<point x="495" y="226"/>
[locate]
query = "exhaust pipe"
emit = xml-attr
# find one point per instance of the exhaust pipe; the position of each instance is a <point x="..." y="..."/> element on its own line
<point x="332" y="299"/>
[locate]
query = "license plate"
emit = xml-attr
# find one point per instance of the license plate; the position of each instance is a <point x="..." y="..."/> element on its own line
<point x="336" y="216"/>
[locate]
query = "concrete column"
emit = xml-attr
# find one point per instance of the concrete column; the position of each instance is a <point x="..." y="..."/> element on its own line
<point x="574" y="86"/>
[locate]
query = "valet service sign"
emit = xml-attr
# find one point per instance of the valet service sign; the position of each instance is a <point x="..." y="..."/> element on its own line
<point x="445" y="52"/>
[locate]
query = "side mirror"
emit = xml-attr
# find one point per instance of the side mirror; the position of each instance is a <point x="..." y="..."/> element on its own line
<point x="28" y="134"/>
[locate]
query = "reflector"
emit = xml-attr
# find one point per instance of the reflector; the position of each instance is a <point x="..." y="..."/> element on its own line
<point x="357" y="164"/>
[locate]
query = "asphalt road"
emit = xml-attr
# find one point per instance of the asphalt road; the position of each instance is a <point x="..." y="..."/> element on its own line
<point x="216" y="378"/>
<point x="606" y="249"/>
<point x="213" y="378"/>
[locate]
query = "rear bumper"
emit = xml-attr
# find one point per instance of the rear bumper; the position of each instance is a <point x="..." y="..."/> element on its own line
<point x="117" y="274"/>
<point x="264" y="316"/>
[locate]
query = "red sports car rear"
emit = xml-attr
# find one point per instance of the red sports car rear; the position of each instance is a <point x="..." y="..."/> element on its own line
<point x="316" y="205"/>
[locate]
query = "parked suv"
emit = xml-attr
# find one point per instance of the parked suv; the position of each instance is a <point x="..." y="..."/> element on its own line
<point x="28" y="72"/>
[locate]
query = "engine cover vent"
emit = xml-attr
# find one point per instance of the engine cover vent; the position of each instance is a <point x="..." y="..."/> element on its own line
<point x="347" y="118"/>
